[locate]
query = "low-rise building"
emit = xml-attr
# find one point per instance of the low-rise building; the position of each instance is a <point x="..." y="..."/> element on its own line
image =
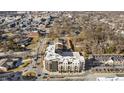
<point x="108" y="59"/>
<point x="12" y="63"/>
<point x="11" y="76"/>
<point x="107" y="62"/>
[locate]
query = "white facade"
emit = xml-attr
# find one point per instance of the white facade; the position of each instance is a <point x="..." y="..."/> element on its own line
<point x="66" y="63"/>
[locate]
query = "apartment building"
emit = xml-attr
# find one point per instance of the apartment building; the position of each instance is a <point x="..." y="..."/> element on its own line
<point x="63" y="61"/>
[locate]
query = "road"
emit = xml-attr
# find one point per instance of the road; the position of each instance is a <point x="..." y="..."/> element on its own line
<point x="36" y="59"/>
<point x="41" y="46"/>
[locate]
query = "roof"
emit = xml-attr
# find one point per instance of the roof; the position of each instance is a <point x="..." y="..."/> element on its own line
<point x="109" y="57"/>
<point x="33" y="34"/>
<point x="64" y="57"/>
<point x="67" y="54"/>
<point x="10" y="75"/>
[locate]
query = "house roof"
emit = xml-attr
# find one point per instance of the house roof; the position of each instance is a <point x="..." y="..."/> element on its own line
<point x="33" y="34"/>
<point x="109" y="57"/>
